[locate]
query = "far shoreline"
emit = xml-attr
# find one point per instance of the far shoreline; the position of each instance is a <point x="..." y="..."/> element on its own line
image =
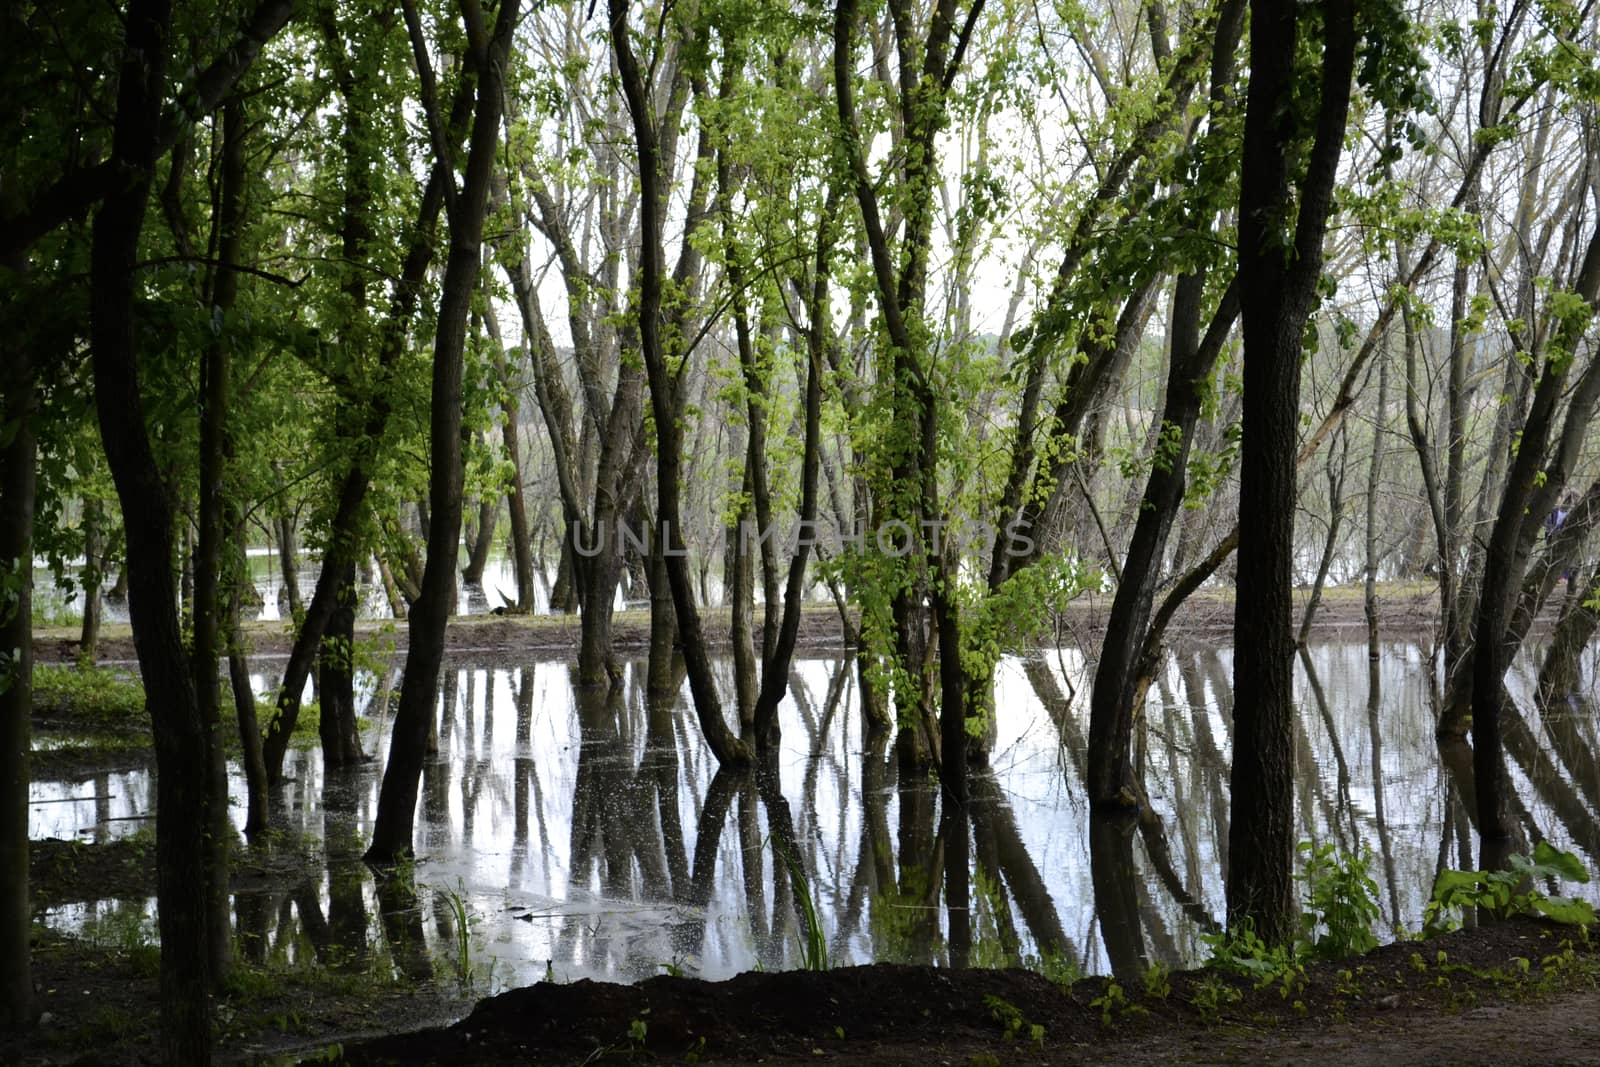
<point x="1405" y="610"/>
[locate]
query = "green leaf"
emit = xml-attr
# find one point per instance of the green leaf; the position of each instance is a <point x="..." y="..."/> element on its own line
<point x="1565" y="910"/>
<point x="1549" y="860"/>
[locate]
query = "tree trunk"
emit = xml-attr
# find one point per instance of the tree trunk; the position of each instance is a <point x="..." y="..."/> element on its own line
<point x="336" y="728"/>
<point x="665" y="402"/>
<point x="214" y="531"/>
<point x="1532" y="482"/>
<point x="397" y="801"/>
<point x="244" y="697"/>
<point x="183" y="791"/>
<point x="352" y="496"/>
<point x="289" y="563"/>
<point x="94" y="550"/>
<point x="1374" y="479"/>
<point x="481" y="541"/>
<point x="516" y="503"/>
<point x="1260" y="889"/>
<point x="17" y="483"/>
<point x="1116" y="698"/>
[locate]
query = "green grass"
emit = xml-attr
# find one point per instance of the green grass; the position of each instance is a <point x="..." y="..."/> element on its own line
<point x="103" y="697"/>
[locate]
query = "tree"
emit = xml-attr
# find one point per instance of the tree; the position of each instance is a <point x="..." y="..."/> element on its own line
<point x="485" y="56"/>
<point x="184" y="796"/>
<point x="17" y="454"/>
<point x="1280" y="261"/>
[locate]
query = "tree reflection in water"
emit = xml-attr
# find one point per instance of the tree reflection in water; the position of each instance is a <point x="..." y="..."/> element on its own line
<point x="591" y="835"/>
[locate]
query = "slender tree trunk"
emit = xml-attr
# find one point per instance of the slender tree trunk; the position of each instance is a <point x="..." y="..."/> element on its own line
<point x="1532" y="481"/>
<point x="209" y="611"/>
<point x="1374" y="480"/>
<point x="94" y="549"/>
<point x="17" y="483"/>
<point x="244" y="697"/>
<point x="664" y="398"/>
<point x="1335" y="472"/>
<point x="183" y="791"/>
<point x="481" y="541"/>
<point x="336" y="727"/>
<point x="397" y="801"/>
<point x="1117" y="695"/>
<point x="516" y="502"/>
<point x="289" y="562"/>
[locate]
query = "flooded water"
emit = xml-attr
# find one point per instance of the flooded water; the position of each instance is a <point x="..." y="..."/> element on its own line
<point x="563" y="840"/>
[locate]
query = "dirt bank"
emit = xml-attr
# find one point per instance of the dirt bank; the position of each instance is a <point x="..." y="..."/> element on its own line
<point x="1406" y="610"/>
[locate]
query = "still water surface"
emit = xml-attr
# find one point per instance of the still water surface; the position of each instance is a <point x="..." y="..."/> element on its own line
<point x="600" y="842"/>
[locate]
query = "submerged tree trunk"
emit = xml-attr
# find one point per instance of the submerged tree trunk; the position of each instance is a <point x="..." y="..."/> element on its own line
<point x="336" y="727"/>
<point x="183" y="790"/>
<point x="397" y="801"/>
<point x="244" y="697"/>
<point x="17" y="483"/>
<point x="481" y="541"/>
<point x="289" y="563"/>
<point x="1532" y="482"/>
<point x="210" y="611"/>
<point x="1260" y="889"/>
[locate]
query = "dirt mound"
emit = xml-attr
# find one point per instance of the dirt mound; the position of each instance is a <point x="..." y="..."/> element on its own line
<point x="1521" y="992"/>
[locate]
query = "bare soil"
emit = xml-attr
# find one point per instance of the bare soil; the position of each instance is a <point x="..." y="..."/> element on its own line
<point x="1462" y="998"/>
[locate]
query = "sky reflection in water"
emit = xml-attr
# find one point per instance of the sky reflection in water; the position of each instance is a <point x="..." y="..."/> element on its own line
<point x="590" y="842"/>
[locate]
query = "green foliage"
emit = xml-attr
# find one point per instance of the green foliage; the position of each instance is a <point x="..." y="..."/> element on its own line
<point x="1211" y="995"/>
<point x="461" y="958"/>
<point x="1342" y="902"/>
<point x="813" y="944"/>
<point x="1241" y="951"/>
<point x="87" y="694"/>
<point x="1113" y="1004"/>
<point x="1058" y="969"/>
<point x="1158" y="981"/>
<point x="1513" y="891"/>
<point x="1010" y="1017"/>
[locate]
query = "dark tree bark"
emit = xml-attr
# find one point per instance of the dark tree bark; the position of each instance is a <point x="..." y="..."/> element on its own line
<point x="289" y="562"/>
<point x="1278" y="267"/>
<point x="244" y="697"/>
<point x="352" y="498"/>
<point x="183" y="790"/>
<point x="94" y="561"/>
<point x="664" y="389"/>
<point x="481" y="540"/>
<point x="1118" y="689"/>
<point x="336" y="727"/>
<point x="516" y="502"/>
<point x="1118" y="693"/>
<point x="211" y="612"/>
<point x="486" y="55"/>
<point x="17" y="481"/>
<point x="1535" y="476"/>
